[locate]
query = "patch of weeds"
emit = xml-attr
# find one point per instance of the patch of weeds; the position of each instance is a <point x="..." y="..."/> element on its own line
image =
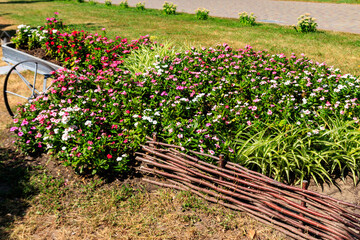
<point x="123" y="194"/>
<point x="228" y="222"/>
<point x="191" y="202"/>
<point x="191" y="218"/>
<point x="51" y="193"/>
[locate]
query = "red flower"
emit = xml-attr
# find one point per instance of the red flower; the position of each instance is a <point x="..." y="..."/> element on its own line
<point x="109" y="156"/>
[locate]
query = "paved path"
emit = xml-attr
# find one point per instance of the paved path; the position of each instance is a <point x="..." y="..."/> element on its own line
<point x="336" y="17"/>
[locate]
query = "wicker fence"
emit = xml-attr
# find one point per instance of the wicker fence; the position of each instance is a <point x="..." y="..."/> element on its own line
<point x="297" y="212"/>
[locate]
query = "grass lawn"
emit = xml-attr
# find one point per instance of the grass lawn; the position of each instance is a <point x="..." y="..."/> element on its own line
<point x="341" y="50"/>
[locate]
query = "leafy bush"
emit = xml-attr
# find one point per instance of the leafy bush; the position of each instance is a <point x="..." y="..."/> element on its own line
<point x="140" y="6"/>
<point x="169" y="8"/>
<point x="306" y="24"/>
<point x="108" y="3"/>
<point x="124" y="4"/>
<point x="247" y="19"/>
<point x="202" y="14"/>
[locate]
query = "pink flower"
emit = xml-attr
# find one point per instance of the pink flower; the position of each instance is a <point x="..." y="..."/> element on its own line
<point x="248" y="123"/>
<point x="20" y="134"/>
<point x="90" y="143"/>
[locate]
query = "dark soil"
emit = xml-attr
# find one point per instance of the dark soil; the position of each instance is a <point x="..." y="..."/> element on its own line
<point x="40" y="53"/>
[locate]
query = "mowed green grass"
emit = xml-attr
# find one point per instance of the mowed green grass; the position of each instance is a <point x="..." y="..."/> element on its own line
<point x="341" y="50"/>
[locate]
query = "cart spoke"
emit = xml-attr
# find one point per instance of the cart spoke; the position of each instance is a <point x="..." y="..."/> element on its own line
<point x="25" y="81"/>
<point x="34" y="84"/>
<point x="17" y="95"/>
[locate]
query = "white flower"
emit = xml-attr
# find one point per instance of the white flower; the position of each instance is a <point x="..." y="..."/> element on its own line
<point x="64" y="119"/>
<point x="63" y="148"/>
<point x="65" y="136"/>
<point x="88" y="123"/>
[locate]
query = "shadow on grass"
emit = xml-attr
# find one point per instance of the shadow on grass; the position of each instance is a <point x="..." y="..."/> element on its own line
<point x="15" y="189"/>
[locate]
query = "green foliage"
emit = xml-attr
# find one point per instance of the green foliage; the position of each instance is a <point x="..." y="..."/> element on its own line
<point x="247" y="19"/>
<point x="124" y="4"/>
<point x="140" y="6"/>
<point x="169" y="8"/>
<point x="92" y="2"/>
<point x="306" y="24"/>
<point x="293" y="153"/>
<point x="146" y="57"/>
<point x="202" y="14"/>
<point x="108" y="3"/>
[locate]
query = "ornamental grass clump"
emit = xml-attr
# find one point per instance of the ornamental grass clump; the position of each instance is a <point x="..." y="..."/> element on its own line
<point x="124" y="4"/>
<point x="169" y="8"/>
<point x="298" y="153"/>
<point x="306" y="24"/>
<point x="247" y="19"/>
<point x="140" y="6"/>
<point x="202" y="14"/>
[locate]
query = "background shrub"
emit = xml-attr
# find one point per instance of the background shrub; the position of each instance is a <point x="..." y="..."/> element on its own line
<point x="202" y="14"/>
<point x="247" y="19"/>
<point x="169" y="8"/>
<point x="140" y="6"/>
<point x="124" y="4"/>
<point x="306" y="24"/>
<point x="108" y="3"/>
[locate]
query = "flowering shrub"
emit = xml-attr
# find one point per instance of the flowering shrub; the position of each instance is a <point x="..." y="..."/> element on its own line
<point x="169" y="8"/>
<point x="95" y="117"/>
<point x="202" y="14"/>
<point x="306" y="24"/>
<point x="29" y="38"/>
<point x="247" y="19"/>
<point x="140" y="6"/>
<point x="124" y="4"/>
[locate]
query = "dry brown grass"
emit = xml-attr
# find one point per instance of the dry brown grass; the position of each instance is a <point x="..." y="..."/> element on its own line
<point x="110" y="212"/>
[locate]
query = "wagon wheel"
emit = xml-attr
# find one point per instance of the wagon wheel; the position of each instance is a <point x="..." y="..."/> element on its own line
<point x="22" y="86"/>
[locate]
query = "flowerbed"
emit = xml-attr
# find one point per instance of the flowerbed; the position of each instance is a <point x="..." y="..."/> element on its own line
<point x="98" y="113"/>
